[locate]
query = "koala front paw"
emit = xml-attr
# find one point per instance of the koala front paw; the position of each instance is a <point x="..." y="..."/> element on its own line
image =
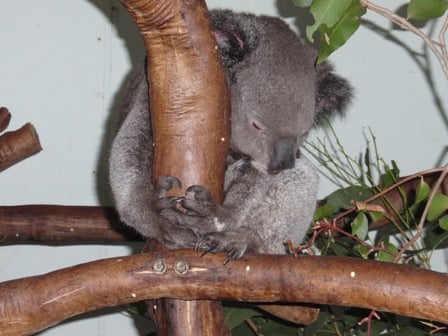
<point x="222" y="242"/>
<point x="199" y="202"/>
<point x="162" y="186"/>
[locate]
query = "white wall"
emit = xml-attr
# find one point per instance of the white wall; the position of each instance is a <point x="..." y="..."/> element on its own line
<point x="62" y="65"/>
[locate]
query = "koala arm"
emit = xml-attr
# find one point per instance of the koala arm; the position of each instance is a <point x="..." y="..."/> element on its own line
<point x="262" y="211"/>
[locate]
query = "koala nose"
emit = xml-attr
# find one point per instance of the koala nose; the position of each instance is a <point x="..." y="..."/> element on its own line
<point x="283" y="155"/>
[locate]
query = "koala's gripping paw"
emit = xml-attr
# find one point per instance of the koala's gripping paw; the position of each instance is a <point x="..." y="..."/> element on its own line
<point x="228" y="242"/>
<point x="199" y="201"/>
<point x="162" y="186"/>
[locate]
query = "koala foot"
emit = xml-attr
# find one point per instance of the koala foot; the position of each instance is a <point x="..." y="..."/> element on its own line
<point x="229" y="242"/>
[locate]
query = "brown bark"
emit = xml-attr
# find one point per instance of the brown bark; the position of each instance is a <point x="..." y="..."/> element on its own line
<point x="18" y="145"/>
<point x="77" y="224"/>
<point x="298" y="314"/>
<point x="190" y="115"/>
<point x="5" y="118"/>
<point x="53" y="224"/>
<point x="190" y="100"/>
<point x="35" y="303"/>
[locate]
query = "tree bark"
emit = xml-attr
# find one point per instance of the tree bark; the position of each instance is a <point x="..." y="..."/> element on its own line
<point x="58" y="224"/>
<point x="78" y="224"/>
<point x="189" y="96"/>
<point x="18" y="145"/>
<point x="190" y="115"/>
<point x="5" y="118"/>
<point x="32" y="304"/>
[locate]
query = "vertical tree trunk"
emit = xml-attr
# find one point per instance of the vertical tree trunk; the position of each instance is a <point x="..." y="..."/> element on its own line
<point x="190" y="113"/>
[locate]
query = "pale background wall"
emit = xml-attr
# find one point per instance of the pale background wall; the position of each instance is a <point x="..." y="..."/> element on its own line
<point x="62" y="65"/>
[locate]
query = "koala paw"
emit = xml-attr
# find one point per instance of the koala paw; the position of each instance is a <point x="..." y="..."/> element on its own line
<point x="162" y="186"/>
<point x="222" y="242"/>
<point x="199" y="202"/>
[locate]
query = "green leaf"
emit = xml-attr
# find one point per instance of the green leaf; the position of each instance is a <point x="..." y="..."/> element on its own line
<point x="443" y="222"/>
<point x="325" y="211"/>
<point x="385" y="256"/>
<point x="360" y="226"/>
<point x="339" y="250"/>
<point x="376" y="215"/>
<point x="302" y="3"/>
<point x="437" y="207"/>
<point x="426" y="9"/>
<point x="334" y="37"/>
<point x="343" y="198"/>
<point x="362" y="250"/>
<point x="326" y="12"/>
<point x="236" y="316"/>
<point x="422" y="192"/>
<point x="391" y="175"/>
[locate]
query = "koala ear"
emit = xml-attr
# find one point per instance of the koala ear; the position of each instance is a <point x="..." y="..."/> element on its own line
<point x="333" y="93"/>
<point x="231" y="45"/>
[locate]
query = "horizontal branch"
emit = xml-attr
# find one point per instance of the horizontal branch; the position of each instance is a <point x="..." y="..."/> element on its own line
<point x="63" y="225"/>
<point x="35" y="303"/>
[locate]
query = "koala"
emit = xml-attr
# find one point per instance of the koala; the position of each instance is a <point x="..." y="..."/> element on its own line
<point x="278" y="95"/>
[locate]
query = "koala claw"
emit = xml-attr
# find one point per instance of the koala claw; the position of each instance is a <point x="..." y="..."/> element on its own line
<point x="206" y="244"/>
<point x="218" y="242"/>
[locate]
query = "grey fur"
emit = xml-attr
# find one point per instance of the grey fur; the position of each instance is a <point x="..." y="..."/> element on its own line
<point x="278" y="95"/>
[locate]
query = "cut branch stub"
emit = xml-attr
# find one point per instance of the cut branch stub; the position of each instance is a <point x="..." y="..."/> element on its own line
<point x="5" y="118"/>
<point x="18" y="145"/>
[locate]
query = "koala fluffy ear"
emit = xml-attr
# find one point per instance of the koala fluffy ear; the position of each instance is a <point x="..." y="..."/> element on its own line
<point x="333" y="93"/>
<point x="231" y="45"/>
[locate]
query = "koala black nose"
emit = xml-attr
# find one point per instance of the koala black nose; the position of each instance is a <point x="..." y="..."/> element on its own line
<point x="283" y="155"/>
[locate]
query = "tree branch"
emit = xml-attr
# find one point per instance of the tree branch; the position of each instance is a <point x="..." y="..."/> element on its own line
<point x="58" y="224"/>
<point x="190" y="116"/>
<point x="58" y="295"/>
<point x="18" y="145"/>
<point x="437" y="47"/>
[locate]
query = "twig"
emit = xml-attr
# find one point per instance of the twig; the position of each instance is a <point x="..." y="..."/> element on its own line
<point x="424" y="214"/>
<point x="437" y="47"/>
<point x="368" y="320"/>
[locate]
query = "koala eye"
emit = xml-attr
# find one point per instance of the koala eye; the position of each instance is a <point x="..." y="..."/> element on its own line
<point x="257" y="126"/>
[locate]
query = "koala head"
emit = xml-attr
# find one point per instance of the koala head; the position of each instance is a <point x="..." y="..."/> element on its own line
<point x="278" y="93"/>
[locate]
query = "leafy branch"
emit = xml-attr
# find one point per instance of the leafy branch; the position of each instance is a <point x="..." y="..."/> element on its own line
<point x="337" y="21"/>
<point x="373" y="194"/>
<point x="417" y="9"/>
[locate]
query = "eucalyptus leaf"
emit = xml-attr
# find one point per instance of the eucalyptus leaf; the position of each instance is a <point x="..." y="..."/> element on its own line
<point x="437" y="207"/>
<point x="343" y="198"/>
<point x="326" y="12"/>
<point x="360" y="226"/>
<point x="443" y="222"/>
<point x="338" y="250"/>
<point x="336" y="36"/>
<point x="325" y="211"/>
<point x="274" y="328"/>
<point x="302" y="3"/>
<point x="422" y="192"/>
<point x="386" y="256"/>
<point x="426" y="9"/>
<point x="236" y="316"/>
<point x="362" y="250"/>
<point x="376" y="215"/>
